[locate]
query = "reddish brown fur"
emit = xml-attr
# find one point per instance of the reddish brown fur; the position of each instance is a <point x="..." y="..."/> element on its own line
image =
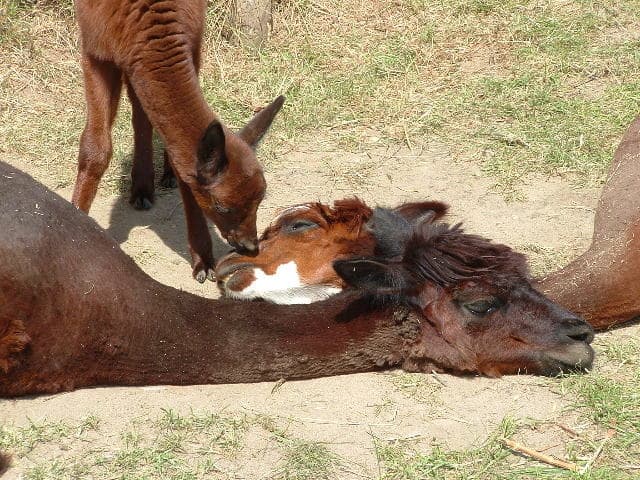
<point x="340" y="233"/>
<point x="603" y="284"/>
<point x="154" y="46"/>
<point x="342" y="223"/>
<point x="88" y="327"/>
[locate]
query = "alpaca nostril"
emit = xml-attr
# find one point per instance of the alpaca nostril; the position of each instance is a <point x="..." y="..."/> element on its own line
<point x="579" y="331"/>
<point x="246" y="247"/>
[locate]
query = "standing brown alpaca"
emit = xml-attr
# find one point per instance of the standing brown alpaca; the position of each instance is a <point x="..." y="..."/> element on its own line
<point x="602" y="285"/>
<point x="66" y="324"/>
<point x="154" y="47"/>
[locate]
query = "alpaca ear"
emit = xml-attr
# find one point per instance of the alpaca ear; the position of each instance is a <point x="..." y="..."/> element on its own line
<point x="370" y="274"/>
<point x="417" y="212"/>
<point x="253" y="131"/>
<point x="391" y="232"/>
<point x="212" y="159"/>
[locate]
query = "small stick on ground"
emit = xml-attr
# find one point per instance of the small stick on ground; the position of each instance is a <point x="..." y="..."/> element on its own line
<point x="277" y="385"/>
<point x="540" y="456"/>
<point x="569" y="430"/>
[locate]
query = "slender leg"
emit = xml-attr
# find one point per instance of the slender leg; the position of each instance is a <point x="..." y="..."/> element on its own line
<point x="142" y="171"/>
<point x="102" y="83"/>
<point x="168" y="179"/>
<point x="200" y="245"/>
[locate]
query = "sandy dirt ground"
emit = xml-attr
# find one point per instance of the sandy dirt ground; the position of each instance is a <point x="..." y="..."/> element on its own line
<point x="553" y="220"/>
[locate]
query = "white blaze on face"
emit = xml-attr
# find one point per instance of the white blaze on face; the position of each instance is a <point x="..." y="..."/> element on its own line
<point x="283" y="287"/>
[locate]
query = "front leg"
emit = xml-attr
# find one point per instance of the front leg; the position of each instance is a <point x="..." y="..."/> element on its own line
<point x="168" y="179"/>
<point x="200" y="245"/>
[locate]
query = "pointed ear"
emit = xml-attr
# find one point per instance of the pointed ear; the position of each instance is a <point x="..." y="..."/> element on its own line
<point x="253" y="131"/>
<point x="370" y="274"/>
<point x="212" y="159"/>
<point x="417" y="212"/>
<point x="391" y="232"/>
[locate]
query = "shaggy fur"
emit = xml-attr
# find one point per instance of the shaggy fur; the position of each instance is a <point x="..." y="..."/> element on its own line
<point x="445" y="255"/>
<point x="89" y="327"/>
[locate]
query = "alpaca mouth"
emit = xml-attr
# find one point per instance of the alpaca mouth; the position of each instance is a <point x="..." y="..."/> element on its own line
<point x="576" y="357"/>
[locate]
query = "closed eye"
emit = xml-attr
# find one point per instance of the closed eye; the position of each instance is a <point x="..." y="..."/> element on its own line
<point x="480" y="308"/>
<point x="301" y="226"/>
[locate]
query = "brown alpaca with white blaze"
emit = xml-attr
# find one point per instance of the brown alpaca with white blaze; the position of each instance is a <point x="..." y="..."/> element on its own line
<point x="602" y="285"/>
<point x="67" y="324"/>
<point x="294" y="264"/>
<point x="154" y="47"/>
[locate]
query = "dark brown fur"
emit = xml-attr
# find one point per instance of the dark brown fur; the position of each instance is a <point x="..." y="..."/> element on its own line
<point x="154" y="47"/>
<point x="89" y="327"/>
<point x="5" y="463"/>
<point x="447" y="275"/>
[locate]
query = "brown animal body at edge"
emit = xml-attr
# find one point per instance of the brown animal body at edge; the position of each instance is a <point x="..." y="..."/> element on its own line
<point x="75" y="311"/>
<point x="603" y="284"/>
<point x="154" y="48"/>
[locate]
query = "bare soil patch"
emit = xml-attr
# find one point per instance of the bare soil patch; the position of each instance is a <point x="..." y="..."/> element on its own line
<point x="552" y="223"/>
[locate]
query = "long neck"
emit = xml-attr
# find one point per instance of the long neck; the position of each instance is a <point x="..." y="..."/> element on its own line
<point x="152" y="334"/>
<point x="76" y="311"/>
<point x="603" y="284"/>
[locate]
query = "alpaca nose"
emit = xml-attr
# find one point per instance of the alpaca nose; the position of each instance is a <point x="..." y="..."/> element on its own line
<point x="578" y="330"/>
<point x="246" y="247"/>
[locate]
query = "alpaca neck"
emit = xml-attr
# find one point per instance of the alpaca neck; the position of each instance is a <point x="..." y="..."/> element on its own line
<point x="193" y="340"/>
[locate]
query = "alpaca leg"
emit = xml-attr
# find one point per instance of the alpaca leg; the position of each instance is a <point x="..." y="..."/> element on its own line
<point x="102" y="82"/>
<point x="142" y="171"/>
<point x="200" y="245"/>
<point x="168" y="179"/>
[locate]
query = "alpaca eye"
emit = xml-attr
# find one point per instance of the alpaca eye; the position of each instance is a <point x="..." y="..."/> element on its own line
<point x="481" y="308"/>
<point x="301" y="226"/>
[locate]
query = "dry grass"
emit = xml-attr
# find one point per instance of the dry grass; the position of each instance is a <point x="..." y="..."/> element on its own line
<point x="518" y="86"/>
<point x="544" y="86"/>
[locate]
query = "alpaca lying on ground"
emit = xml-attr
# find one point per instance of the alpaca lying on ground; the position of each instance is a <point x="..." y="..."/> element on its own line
<point x="75" y="311"/>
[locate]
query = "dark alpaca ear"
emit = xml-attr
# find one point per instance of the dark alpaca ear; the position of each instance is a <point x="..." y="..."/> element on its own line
<point x="212" y="159"/>
<point x="391" y="232"/>
<point x="417" y="212"/>
<point x="253" y="131"/>
<point x="371" y="274"/>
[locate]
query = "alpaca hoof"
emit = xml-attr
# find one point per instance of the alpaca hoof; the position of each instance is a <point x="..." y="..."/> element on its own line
<point x="141" y="202"/>
<point x="168" y="180"/>
<point x="204" y="274"/>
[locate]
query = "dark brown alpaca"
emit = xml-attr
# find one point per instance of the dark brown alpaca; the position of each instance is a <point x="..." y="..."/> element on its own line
<point x="69" y="320"/>
<point x="602" y="285"/>
<point x="154" y="47"/>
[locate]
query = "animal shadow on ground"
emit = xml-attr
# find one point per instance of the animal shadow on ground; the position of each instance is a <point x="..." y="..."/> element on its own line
<point x="166" y="218"/>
